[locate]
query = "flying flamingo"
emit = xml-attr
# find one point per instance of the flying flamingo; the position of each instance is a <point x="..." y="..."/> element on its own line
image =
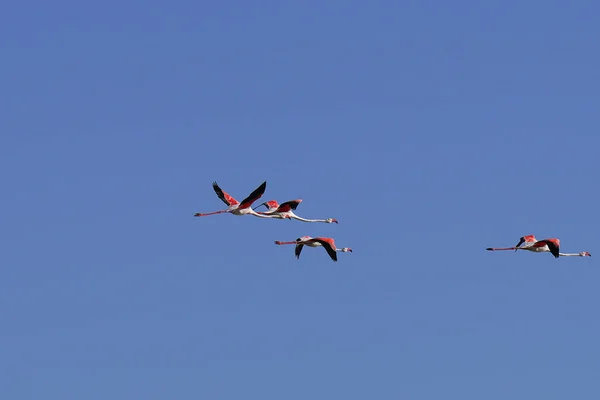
<point x="234" y="206"/>
<point x="284" y="211"/>
<point x="328" y="243"/>
<point x="551" y="245"/>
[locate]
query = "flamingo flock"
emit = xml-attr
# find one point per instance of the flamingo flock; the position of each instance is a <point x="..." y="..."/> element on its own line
<point x="275" y="210"/>
<point x="286" y="210"/>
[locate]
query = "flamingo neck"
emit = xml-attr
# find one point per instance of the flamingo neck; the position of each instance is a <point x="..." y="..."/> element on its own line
<point x="305" y="219"/>
<point x="260" y="214"/>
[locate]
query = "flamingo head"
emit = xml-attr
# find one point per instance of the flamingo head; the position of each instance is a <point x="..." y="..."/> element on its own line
<point x="346" y="249"/>
<point x="585" y="254"/>
<point x="330" y="220"/>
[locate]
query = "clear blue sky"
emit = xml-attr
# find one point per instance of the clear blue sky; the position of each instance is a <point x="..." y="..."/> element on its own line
<point x="430" y="130"/>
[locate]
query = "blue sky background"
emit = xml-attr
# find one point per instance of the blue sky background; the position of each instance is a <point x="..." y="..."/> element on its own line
<point x="430" y="130"/>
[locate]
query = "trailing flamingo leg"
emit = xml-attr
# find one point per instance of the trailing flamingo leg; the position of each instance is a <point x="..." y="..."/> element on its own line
<point x="211" y="213"/>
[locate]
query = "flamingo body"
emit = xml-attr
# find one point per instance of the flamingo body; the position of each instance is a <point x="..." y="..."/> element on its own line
<point x="327" y="243"/>
<point x="551" y="245"/>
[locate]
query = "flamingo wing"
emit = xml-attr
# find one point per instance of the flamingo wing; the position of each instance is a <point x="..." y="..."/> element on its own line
<point x="257" y="194"/>
<point x="224" y="196"/>
<point x="288" y="205"/>
<point x="554" y="247"/>
<point x="521" y="241"/>
<point x="328" y="246"/>
<point x="298" y="250"/>
<point x="530" y="239"/>
<point x="271" y="204"/>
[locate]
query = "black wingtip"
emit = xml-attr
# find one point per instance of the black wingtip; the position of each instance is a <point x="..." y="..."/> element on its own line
<point x="555" y="255"/>
<point x="554" y="250"/>
<point x="262" y="187"/>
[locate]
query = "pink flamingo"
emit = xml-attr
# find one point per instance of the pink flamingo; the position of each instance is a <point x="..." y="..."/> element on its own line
<point x="284" y="211"/>
<point x="235" y="207"/>
<point x="327" y="243"/>
<point x="551" y="245"/>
